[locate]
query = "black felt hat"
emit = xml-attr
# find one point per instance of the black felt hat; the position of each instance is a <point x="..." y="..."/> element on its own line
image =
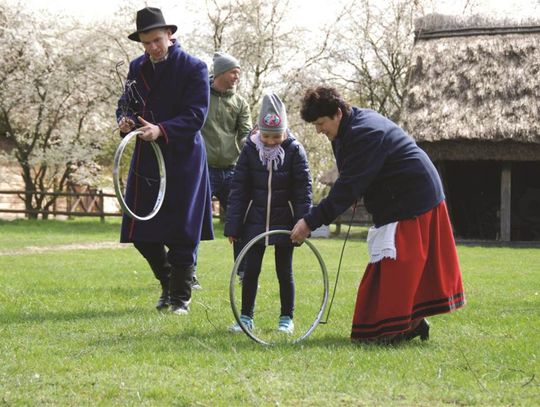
<point x="150" y="18"/>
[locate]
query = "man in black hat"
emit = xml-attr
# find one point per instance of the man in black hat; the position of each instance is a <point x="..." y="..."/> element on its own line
<point x="166" y="98"/>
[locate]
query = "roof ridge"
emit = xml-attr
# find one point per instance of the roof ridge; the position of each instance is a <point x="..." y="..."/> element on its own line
<point x="475" y="31"/>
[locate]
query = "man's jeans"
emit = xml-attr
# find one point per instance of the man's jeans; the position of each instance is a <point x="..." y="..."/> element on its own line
<point x="220" y="184"/>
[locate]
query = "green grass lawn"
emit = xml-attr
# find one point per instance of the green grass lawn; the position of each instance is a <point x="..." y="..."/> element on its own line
<point x="78" y="327"/>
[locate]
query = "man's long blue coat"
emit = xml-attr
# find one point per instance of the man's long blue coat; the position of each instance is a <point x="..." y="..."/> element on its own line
<point x="174" y="95"/>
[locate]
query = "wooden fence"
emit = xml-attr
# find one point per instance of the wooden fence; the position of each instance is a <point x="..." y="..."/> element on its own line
<point x="92" y="203"/>
<point x="72" y="203"/>
<point x="66" y="204"/>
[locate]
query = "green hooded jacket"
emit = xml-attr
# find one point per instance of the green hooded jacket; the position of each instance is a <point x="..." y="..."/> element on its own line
<point x="227" y="124"/>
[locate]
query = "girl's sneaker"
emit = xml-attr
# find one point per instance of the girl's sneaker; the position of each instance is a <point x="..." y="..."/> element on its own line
<point x="286" y="324"/>
<point x="247" y="321"/>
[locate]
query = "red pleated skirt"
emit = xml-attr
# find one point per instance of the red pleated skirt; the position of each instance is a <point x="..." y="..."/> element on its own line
<point x="424" y="279"/>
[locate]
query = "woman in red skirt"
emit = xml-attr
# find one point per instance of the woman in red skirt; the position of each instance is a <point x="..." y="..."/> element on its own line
<point x="413" y="271"/>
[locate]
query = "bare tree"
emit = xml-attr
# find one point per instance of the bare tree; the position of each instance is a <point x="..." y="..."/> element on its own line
<point x="272" y="49"/>
<point x="372" y="53"/>
<point x="275" y="55"/>
<point x="258" y="35"/>
<point x="220" y="17"/>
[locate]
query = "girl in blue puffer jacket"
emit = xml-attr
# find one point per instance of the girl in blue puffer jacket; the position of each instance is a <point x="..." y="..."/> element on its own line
<point x="271" y="189"/>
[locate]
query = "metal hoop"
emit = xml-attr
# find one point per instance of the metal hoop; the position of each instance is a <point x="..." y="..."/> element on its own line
<point x="233" y="280"/>
<point x="116" y="177"/>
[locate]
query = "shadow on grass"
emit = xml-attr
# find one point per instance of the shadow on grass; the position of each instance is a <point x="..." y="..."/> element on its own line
<point x="217" y="341"/>
<point x="23" y="317"/>
<point x="70" y="226"/>
<point x="202" y="338"/>
<point x="344" y="341"/>
<point x="223" y="342"/>
<point x="516" y="244"/>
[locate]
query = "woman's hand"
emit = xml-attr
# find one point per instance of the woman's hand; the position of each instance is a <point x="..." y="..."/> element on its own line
<point x="300" y="232"/>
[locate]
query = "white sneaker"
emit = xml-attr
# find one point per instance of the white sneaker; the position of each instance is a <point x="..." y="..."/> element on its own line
<point x="247" y="321"/>
<point x="286" y="325"/>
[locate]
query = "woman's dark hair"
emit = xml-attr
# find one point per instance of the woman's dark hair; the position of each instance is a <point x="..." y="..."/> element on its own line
<point x="322" y="101"/>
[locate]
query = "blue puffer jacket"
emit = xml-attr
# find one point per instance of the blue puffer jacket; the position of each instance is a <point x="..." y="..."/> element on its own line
<point x="262" y="199"/>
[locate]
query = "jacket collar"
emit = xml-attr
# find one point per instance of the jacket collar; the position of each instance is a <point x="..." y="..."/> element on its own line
<point x="215" y="92"/>
<point x="345" y="122"/>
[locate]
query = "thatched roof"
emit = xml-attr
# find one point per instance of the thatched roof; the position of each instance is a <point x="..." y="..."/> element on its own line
<point x="474" y="83"/>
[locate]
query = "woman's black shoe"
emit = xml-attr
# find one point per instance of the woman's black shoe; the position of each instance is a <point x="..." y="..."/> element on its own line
<point x="421" y="330"/>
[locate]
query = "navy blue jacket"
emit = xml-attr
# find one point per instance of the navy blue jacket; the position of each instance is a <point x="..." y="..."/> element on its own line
<point x="262" y="199"/>
<point x="378" y="161"/>
<point x="174" y="96"/>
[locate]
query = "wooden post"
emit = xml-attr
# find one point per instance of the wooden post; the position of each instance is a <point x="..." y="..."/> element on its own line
<point x="70" y="205"/>
<point x="101" y="207"/>
<point x="506" y="197"/>
<point x="54" y="208"/>
<point x="338" y="228"/>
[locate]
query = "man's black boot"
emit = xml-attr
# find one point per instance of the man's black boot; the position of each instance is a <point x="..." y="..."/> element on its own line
<point x="162" y="274"/>
<point x="180" y="288"/>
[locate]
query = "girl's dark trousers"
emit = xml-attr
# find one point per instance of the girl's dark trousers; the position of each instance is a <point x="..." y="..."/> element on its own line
<point x="283" y="260"/>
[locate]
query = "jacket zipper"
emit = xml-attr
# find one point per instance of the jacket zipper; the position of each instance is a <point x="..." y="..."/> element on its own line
<point x="219" y="110"/>
<point x="268" y="204"/>
<point x="292" y="209"/>
<point x="247" y="211"/>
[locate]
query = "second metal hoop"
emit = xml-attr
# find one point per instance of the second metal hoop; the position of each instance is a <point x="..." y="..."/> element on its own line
<point x="233" y="280"/>
<point x="116" y="177"/>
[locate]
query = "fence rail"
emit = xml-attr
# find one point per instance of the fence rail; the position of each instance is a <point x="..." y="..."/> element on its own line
<point x="75" y="204"/>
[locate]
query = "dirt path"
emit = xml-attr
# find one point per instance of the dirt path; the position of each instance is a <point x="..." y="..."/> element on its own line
<point x="62" y="248"/>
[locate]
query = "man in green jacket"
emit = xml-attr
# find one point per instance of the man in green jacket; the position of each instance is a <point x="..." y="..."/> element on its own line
<point x="227" y="125"/>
